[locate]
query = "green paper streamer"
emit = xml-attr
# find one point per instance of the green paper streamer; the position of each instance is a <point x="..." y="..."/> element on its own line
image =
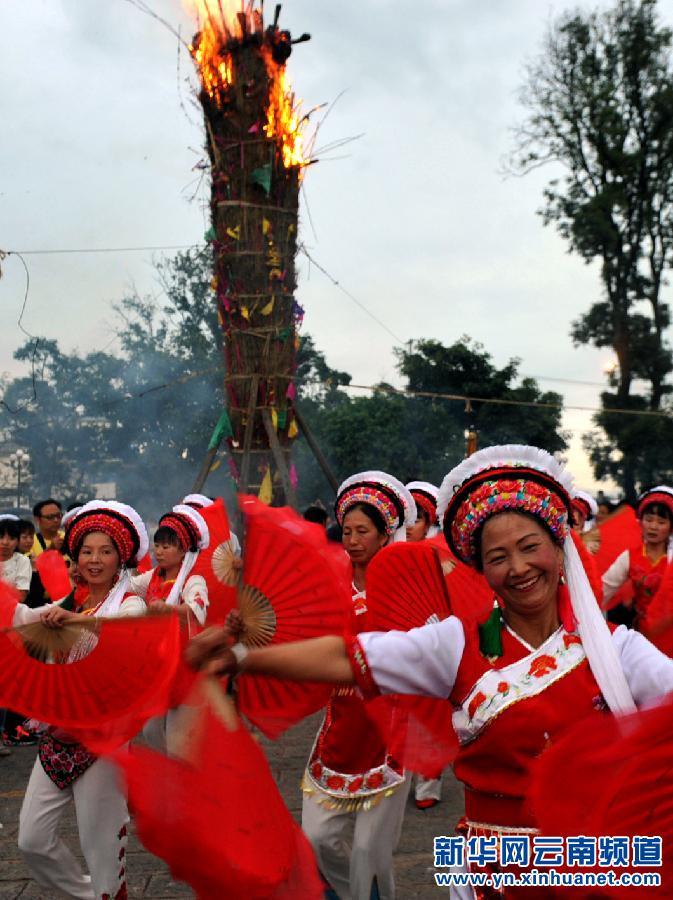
<point x="262" y="177"/>
<point x="282" y="418"/>
<point x="210" y="235"/>
<point x="490" y="634"/>
<point x="284" y="333"/>
<point x="222" y="430"/>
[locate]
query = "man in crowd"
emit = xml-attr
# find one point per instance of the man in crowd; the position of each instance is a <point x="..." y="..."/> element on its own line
<point x="47" y="514"/>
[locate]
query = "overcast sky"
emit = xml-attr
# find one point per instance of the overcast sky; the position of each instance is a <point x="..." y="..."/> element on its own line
<point x="414" y="218"/>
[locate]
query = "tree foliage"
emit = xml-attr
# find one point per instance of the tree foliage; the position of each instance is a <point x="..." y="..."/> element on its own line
<point x="600" y="103"/>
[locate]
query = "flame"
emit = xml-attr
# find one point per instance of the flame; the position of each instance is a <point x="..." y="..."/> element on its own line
<point x="223" y="22"/>
<point x="283" y="116"/>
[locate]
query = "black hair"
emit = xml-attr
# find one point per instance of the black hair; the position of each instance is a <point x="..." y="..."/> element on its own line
<point x="334" y="533"/>
<point x="75" y="505"/>
<point x="10" y="527"/>
<point x="316" y="514"/>
<point x="517" y="512"/>
<point x="166" y="535"/>
<point x="372" y="514"/>
<point x="424" y="514"/>
<point x="658" y="509"/>
<point x="25" y="526"/>
<point x="37" y="509"/>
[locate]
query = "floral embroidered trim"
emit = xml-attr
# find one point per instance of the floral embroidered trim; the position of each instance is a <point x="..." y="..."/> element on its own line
<point x="62" y="762"/>
<point x="344" y="786"/>
<point x="363" y="676"/>
<point x="498" y="689"/>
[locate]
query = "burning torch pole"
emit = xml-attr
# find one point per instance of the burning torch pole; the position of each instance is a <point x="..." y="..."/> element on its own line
<point x="254" y="142"/>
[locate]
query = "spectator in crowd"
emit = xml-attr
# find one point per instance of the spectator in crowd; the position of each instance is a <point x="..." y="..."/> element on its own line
<point x="26" y="537"/>
<point x="47" y="515"/>
<point x="16" y="568"/>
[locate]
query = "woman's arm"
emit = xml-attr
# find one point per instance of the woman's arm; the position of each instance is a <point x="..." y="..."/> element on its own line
<point x="318" y="659"/>
<point x="648" y="671"/>
<point x="615" y="576"/>
<point x="421" y="661"/>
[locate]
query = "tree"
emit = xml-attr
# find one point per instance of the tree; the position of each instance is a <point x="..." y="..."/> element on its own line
<point x="415" y="437"/>
<point x="600" y="104"/>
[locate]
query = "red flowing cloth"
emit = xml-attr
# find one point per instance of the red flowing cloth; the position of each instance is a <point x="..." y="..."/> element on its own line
<point x="219" y="822"/>
<point x="612" y="776"/>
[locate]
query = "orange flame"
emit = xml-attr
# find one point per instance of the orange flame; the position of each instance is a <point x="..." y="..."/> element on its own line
<point x="220" y="24"/>
<point x="283" y="117"/>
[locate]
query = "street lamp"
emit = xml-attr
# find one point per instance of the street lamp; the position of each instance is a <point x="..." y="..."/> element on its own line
<point x="19" y="459"/>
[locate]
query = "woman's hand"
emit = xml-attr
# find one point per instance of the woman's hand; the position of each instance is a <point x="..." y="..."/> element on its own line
<point x="234" y="625"/>
<point x="209" y="652"/>
<point x="57" y="617"/>
<point x="159" y="608"/>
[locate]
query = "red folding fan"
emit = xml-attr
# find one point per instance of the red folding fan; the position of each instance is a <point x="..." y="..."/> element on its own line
<point x="9" y="597"/>
<point x="290" y="591"/>
<point x="218" y="819"/>
<point x="122" y="673"/>
<point x="406" y="588"/>
<point x="218" y="563"/>
<point x="53" y="574"/>
<point x="617" y="780"/>
<point x="470" y="597"/>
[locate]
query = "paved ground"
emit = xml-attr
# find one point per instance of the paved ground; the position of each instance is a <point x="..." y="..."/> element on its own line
<point x="149" y="878"/>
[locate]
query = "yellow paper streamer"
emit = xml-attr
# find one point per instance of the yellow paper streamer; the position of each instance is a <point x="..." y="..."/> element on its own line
<point x="266" y="226"/>
<point x="266" y="488"/>
<point x="216" y="465"/>
<point x="274" y="419"/>
<point x="245" y="312"/>
<point x="268" y="309"/>
<point x="234" y="233"/>
<point x="293" y="431"/>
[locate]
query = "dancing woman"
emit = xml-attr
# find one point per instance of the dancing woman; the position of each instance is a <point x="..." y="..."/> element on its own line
<point x="545" y="658"/>
<point x="103" y="538"/>
<point x="350" y="773"/>
<point x="645" y="564"/>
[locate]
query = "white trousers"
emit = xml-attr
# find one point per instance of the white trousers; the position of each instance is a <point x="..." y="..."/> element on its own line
<point x="428" y="788"/>
<point x="351" y="870"/>
<point x="102" y="819"/>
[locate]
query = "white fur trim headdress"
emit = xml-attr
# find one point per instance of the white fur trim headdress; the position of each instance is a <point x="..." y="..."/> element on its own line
<point x="126" y="530"/>
<point x="518" y="477"/>
<point x="197" y="501"/>
<point x="385" y="493"/>
<point x="180" y="518"/>
<point x="425" y="496"/>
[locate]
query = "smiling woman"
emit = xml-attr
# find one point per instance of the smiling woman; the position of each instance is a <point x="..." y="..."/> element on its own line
<point x="102" y="538"/>
<point x="544" y="660"/>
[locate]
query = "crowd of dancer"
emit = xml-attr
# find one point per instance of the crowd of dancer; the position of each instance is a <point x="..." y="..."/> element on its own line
<point x="552" y="646"/>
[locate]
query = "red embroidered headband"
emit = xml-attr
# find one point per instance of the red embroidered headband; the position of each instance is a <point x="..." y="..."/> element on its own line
<point x="656" y="495"/>
<point x="374" y="495"/>
<point x="426" y="502"/>
<point x="119" y="529"/>
<point x="582" y="506"/>
<point x="185" y="530"/>
<point x="504" y="490"/>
